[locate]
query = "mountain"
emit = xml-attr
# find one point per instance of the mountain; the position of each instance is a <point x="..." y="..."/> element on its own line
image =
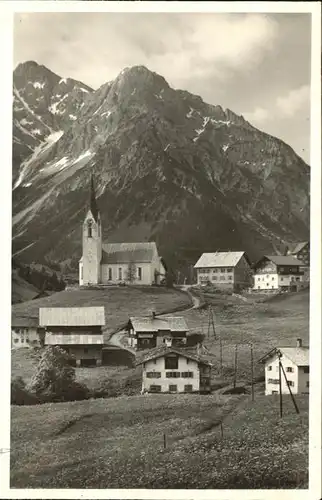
<point x="168" y="166"/>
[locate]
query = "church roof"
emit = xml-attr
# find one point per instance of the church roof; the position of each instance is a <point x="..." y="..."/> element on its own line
<point x="122" y="253"/>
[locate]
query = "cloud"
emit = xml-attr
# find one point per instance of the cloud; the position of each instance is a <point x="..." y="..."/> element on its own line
<point x="294" y="101"/>
<point x="259" y="115"/>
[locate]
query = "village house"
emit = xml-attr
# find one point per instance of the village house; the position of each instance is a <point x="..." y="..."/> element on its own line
<point x="295" y="361"/>
<point x="277" y="272"/>
<point x="25" y="332"/>
<point x="153" y="331"/>
<point x="226" y="270"/>
<point x="174" y="370"/>
<point x="301" y="251"/>
<point x="78" y="330"/>
<point x="104" y="263"/>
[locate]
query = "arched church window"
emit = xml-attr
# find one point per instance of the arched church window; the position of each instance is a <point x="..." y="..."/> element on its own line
<point x="89" y="229"/>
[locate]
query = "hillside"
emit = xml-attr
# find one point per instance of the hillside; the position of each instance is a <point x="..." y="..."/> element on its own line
<point x="168" y="167"/>
<point x="120" y="302"/>
<point x="21" y="290"/>
<point x="86" y="444"/>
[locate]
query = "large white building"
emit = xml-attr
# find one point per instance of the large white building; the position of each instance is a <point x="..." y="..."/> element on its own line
<point x="295" y="361"/>
<point x="277" y="272"/>
<point x="114" y="263"/>
<point x="226" y="270"/>
<point x="172" y="370"/>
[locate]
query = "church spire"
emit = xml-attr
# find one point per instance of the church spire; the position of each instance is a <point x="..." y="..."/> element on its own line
<point x="93" y="203"/>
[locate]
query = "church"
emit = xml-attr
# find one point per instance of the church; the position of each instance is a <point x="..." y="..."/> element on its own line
<point x="115" y="263"/>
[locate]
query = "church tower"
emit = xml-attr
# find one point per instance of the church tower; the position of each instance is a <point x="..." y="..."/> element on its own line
<point x="90" y="264"/>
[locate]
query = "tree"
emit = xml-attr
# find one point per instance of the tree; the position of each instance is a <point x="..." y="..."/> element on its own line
<point x="131" y="272"/>
<point x="54" y="379"/>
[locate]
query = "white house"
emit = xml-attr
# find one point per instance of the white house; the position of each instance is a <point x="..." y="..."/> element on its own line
<point x="277" y="272"/>
<point x="173" y="370"/>
<point x="146" y="332"/>
<point x="227" y="270"/>
<point x="78" y="330"/>
<point x="295" y="361"/>
<point x="25" y="332"/>
<point x="112" y="263"/>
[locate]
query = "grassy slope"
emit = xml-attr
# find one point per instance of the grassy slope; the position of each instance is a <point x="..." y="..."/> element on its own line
<point x="118" y="443"/>
<point x="119" y="302"/>
<point x="21" y="290"/>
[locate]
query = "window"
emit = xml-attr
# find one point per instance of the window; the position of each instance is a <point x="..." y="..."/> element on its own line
<point x="155" y="388"/>
<point x="289" y="369"/>
<point x="81" y="272"/>
<point x="273" y="278"/>
<point x="230" y="277"/>
<point x="214" y="278"/>
<point x="282" y="269"/>
<point x="188" y="388"/>
<point x="172" y="374"/>
<point x="267" y="276"/>
<point x="173" y="388"/>
<point x="290" y="383"/>
<point x="222" y="269"/>
<point x="267" y="284"/>
<point x="16" y="340"/>
<point x="27" y="340"/>
<point x="139" y="273"/>
<point x="171" y="362"/>
<point x="307" y="384"/>
<point x="153" y="374"/>
<point x="306" y="369"/>
<point x="22" y="340"/>
<point x="297" y="279"/>
<point x="282" y="279"/>
<point x="187" y="374"/>
<point x="120" y="273"/>
<point x="110" y="274"/>
<point x="89" y="229"/>
<point x="215" y="270"/>
<point x="269" y="368"/>
<point x="229" y="269"/>
<point x="258" y="287"/>
<point x="222" y="278"/>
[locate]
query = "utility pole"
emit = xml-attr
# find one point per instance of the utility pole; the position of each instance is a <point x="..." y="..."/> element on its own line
<point x="280" y="383"/>
<point x="291" y="393"/>
<point x="235" y="372"/>
<point x="211" y="321"/>
<point x="252" y="369"/>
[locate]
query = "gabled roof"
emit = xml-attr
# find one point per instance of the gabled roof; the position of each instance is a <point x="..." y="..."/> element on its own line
<point x="281" y="260"/>
<point x="123" y="253"/>
<point x="220" y="259"/>
<point x="295" y="248"/>
<point x="71" y="316"/>
<point x="161" y="351"/>
<point x="298" y="355"/>
<point x="24" y="321"/>
<point x="150" y="324"/>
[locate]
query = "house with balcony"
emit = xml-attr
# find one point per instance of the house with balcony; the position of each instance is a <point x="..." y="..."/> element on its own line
<point x="225" y="270"/>
<point x="296" y="365"/>
<point x="174" y="370"/>
<point x="277" y="272"/>
<point x="147" y="332"/>
<point x="78" y="330"/>
<point x="301" y="251"/>
<point x="25" y="332"/>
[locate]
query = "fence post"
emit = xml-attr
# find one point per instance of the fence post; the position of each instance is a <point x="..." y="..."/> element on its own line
<point x="164" y="441"/>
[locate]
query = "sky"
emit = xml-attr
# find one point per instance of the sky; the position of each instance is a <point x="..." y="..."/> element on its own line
<point x="257" y="65"/>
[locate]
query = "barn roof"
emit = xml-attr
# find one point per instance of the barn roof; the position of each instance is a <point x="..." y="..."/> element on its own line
<point x="161" y="351"/>
<point x="294" y="248"/>
<point x="150" y="324"/>
<point x="123" y="253"/>
<point x="71" y="316"/>
<point x="281" y="260"/>
<point x="62" y="339"/>
<point x="299" y="355"/>
<point x="220" y="259"/>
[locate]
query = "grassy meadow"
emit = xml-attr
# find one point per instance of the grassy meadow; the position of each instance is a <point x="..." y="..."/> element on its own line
<point x="119" y="443"/>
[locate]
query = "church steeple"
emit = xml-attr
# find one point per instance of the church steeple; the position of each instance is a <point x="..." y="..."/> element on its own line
<point x="93" y="202"/>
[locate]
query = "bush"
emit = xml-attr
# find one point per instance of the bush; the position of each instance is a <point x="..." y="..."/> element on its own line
<point x="54" y="379"/>
<point x="20" y="395"/>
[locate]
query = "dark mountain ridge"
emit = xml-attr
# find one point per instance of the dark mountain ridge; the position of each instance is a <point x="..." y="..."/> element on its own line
<point x="168" y="167"/>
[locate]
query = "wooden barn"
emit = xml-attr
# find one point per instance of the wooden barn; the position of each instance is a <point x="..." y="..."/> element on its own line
<point x="147" y="332"/>
<point x="78" y="330"/>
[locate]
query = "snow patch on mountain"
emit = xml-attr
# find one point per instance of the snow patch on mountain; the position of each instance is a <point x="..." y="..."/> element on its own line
<point x="73" y="117"/>
<point x="38" y="85"/>
<point x="53" y="107"/>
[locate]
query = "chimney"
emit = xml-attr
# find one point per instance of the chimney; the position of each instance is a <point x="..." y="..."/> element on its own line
<point x="298" y="342"/>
